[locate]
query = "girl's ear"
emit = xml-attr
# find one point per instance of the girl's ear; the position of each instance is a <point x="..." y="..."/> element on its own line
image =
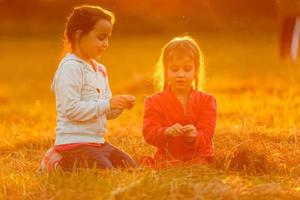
<point x="78" y="34"/>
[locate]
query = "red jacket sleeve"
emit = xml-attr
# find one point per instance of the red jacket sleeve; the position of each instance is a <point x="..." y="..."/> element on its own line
<point x="153" y="129"/>
<point x="207" y="123"/>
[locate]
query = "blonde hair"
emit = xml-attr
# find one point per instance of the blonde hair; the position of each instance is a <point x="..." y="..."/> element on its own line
<point x="185" y="46"/>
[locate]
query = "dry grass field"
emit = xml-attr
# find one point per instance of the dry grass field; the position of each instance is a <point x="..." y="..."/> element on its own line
<point x="257" y="142"/>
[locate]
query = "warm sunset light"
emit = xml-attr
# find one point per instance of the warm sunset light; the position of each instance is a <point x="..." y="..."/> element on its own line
<point x="131" y="99"/>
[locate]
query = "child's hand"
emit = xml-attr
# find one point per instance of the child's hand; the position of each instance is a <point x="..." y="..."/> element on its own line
<point x="190" y="133"/>
<point x="122" y="102"/>
<point x="130" y="101"/>
<point x="175" y="130"/>
<point x="118" y="102"/>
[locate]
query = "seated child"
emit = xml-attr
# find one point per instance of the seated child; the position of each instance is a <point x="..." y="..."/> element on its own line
<point x="180" y="120"/>
<point x="83" y="97"/>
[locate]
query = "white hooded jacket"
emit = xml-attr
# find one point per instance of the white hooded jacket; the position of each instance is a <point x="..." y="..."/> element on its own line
<point x="82" y="101"/>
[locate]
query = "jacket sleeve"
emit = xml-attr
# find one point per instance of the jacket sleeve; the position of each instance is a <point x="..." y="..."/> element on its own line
<point x="153" y="130"/>
<point x="68" y="84"/>
<point x="111" y="114"/>
<point x="207" y="123"/>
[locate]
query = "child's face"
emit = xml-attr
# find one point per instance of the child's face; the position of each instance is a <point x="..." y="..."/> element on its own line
<point x="180" y="72"/>
<point x="95" y="42"/>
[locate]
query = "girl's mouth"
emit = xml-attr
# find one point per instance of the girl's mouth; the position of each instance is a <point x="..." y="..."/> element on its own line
<point x="180" y="81"/>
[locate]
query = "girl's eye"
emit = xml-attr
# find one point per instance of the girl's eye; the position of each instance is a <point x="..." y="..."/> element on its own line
<point x="187" y="68"/>
<point x="102" y="37"/>
<point x="174" y="68"/>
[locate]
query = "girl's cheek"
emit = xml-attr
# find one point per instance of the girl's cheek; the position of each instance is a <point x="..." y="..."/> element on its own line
<point x="192" y="75"/>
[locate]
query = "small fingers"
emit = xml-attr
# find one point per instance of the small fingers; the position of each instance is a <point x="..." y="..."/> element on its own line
<point x="188" y="128"/>
<point x="122" y="104"/>
<point x="179" y="129"/>
<point x="130" y="101"/>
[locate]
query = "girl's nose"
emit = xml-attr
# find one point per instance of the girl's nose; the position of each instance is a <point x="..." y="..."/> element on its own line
<point x="105" y="44"/>
<point x="180" y="73"/>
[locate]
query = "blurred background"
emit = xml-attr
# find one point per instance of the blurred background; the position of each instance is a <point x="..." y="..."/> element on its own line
<point x="240" y="40"/>
<point x="46" y="17"/>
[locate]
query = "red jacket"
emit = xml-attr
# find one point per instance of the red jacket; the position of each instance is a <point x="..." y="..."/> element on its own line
<point x="163" y="110"/>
